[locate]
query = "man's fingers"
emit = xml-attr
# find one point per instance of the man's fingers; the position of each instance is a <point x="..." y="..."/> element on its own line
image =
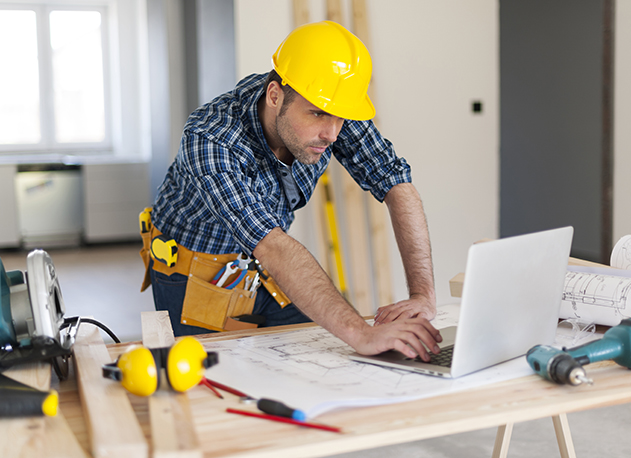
<point x="412" y="337"/>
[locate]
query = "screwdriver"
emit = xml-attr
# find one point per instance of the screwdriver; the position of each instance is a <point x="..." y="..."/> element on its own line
<point x="279" y="409"/>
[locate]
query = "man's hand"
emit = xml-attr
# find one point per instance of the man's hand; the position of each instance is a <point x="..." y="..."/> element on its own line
<point x="416" y="306"/>
<point x="404" y="336"/>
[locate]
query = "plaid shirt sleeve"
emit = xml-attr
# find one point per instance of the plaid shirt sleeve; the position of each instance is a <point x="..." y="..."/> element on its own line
<point x="230" y="189"/>
<point x="370" y="158"/>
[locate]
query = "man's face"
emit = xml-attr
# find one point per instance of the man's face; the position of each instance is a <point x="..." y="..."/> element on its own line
<point x="306" y="130"/>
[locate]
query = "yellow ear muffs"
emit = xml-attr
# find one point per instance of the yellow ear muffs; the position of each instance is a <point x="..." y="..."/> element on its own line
<point x="186" y="363"/>
<point x="138" y="369"/>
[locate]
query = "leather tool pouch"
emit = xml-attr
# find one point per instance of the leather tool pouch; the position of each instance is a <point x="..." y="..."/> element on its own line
<point x="211" y="307"/>
<point x="146" y="256"/>
<point x="206" y="305"/>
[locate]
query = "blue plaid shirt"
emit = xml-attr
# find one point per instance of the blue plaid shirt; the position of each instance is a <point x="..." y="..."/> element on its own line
<point x="223" y="193"/>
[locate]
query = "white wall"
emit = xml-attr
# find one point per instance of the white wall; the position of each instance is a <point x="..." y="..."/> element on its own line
<point x="622" y="121"/>
<point x="431" y="60"/>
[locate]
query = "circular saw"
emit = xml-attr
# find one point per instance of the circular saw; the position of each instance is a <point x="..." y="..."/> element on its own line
<point x="32" y="324"/>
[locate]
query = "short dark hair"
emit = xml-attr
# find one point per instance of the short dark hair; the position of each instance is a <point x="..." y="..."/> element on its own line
<point x="288" y="91"/>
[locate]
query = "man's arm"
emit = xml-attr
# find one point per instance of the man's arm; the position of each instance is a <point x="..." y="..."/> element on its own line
<point x="300" y="277"/>
<point x="410" y="229"/>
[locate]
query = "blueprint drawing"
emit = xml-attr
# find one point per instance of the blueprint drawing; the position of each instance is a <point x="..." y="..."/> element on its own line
<point x="600" y="296"/>
<point x="621" y="253"/>
<point x="309" y="369"/>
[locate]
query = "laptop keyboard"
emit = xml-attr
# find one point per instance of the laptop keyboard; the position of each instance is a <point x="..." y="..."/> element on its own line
<point x="442" y="359"/>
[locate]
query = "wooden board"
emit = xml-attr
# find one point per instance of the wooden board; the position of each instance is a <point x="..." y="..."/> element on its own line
<point x="377" y="214"/>
<point x="112" y="425"/>
<point x="172" y="429"/>
<point x="355" y="222"/>
<point x="37" y="436"/>
<point x="223" y="435"/>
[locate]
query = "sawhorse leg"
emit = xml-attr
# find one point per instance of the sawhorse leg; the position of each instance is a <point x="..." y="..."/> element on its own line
<point x="561" y="428"/>
<point x="502" y="441"/>
<point x="564" y="438"/>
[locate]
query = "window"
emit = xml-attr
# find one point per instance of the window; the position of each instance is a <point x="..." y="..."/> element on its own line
<point x="54" y="83"/>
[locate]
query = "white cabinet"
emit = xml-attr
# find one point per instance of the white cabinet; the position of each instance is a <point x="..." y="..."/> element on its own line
<point x="49" y="204"/>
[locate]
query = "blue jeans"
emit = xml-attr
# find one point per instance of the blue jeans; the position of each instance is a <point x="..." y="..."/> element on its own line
<point x="169" y="291"/>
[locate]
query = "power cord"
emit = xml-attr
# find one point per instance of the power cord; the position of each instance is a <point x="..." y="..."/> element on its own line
<point x="72" y="320"/>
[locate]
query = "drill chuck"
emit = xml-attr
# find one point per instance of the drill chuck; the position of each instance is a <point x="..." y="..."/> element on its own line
<point x="566" y="370"/>
<point x="556" y="365"/>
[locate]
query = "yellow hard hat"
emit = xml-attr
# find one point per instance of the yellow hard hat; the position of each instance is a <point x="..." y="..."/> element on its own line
<point x="328" y="66"/>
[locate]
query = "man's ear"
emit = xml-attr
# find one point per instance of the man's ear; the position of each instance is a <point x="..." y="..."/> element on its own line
<point x="274" y="95"/>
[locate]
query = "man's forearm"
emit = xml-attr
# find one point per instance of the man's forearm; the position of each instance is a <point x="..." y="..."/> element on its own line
<point x="300" y="277"/>
<point x="410" y="229"/>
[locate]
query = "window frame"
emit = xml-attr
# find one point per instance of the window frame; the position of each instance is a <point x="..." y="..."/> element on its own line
<point x="48" y="144"/>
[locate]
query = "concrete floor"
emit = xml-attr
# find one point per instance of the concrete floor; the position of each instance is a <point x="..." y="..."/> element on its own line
<point x="104" y="282"/>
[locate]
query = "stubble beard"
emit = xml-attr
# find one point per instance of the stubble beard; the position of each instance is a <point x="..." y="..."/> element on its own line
<point x="294" y="145"/>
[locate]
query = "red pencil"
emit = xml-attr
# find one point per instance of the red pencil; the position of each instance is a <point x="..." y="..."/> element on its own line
<point x="285" y="420"/>
<point x="206" y="383"/>
<point x="225" y="388"/>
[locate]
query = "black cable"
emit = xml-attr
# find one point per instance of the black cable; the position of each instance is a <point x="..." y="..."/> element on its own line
<point x="68" y="321"/>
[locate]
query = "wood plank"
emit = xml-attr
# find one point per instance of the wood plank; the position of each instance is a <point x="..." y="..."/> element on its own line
<point x="513" y="401"/>
<point x="24" y="436"/>
<point x="360" y="291"/>
<point x="36" y="375"/>
<point x="334" y="11"/>
<point x="564" y="438"/>
<point x="301" y="12"/>
<point x="37" y="436"/>
<point x="112" y="425"/>
<point x="583" y="262"/>
<point x="377" y="214"/>
<point x="456" y="284"/>
<point x="156" y="329"/>
<point x="358" y="237"/>
<point x="315" y="206"/>
<point x="172" y="429"/>
<point x="502" y="441"/>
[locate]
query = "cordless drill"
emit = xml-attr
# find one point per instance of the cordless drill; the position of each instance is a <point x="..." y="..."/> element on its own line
<point x="566" y="366"/>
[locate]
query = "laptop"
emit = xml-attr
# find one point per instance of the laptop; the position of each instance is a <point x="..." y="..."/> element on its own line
<point x="510" y="302"/>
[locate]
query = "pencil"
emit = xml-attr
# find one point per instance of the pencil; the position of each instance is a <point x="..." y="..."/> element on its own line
<point x="225" y="388"/>
<point x="285" y="420"/>
<point x="206" y="383"/>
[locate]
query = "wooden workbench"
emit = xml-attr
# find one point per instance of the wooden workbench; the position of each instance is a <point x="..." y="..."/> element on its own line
<point x="222" y="434"/>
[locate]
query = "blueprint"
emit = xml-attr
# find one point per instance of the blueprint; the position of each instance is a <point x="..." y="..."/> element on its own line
<point x="596" y="295"/>
<point x="621" y="253"/>
<point x="309" y="369"/>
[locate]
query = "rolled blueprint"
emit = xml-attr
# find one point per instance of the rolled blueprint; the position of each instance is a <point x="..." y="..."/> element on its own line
<point x="596" y="295"/>
<point x="621" y="254"/>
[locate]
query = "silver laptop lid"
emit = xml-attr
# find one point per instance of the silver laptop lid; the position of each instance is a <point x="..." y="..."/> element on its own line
<point x="511" y="298"/>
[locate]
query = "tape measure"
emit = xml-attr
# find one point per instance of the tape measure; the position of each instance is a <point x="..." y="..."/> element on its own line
<point x="145" y="220"/>
<point x="164" y="249"/>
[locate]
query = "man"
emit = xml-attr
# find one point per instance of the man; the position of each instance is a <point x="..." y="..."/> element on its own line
<point x="251" y="157"/>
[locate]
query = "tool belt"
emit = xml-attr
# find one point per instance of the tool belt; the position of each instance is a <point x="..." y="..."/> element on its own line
<point x="205" y="304"/>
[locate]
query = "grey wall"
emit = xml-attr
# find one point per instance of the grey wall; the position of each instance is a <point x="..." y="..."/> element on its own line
<point x="190" y="62"/>
<point x="551" y="116"/>
<point x="158" y="93"/>
<point x="215" y="48"/>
